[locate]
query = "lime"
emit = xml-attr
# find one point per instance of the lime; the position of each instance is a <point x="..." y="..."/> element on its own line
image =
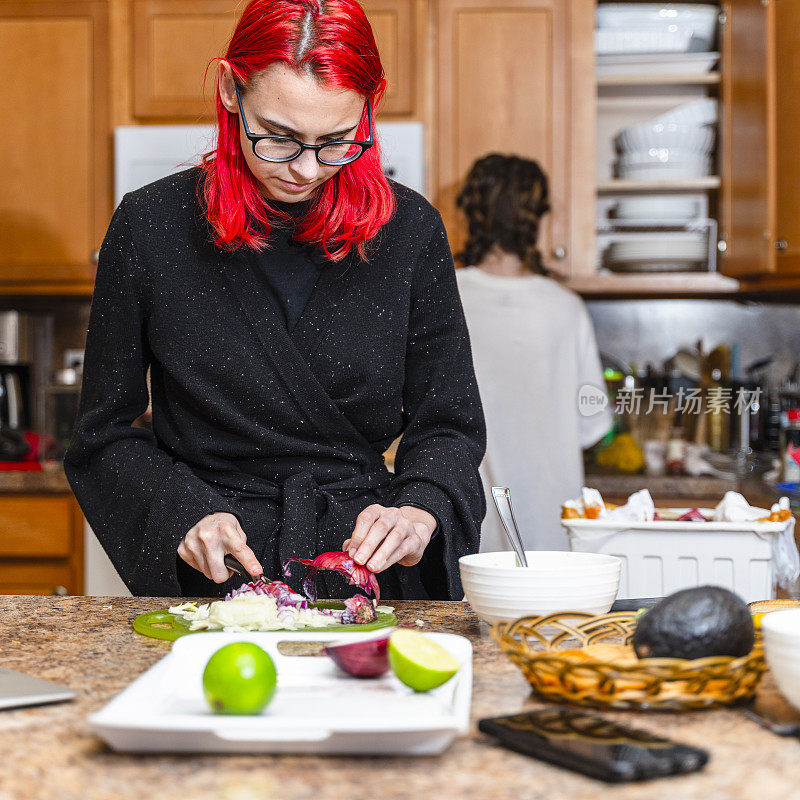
<point x="419" y="662"/>
<point x="239" y="678"/>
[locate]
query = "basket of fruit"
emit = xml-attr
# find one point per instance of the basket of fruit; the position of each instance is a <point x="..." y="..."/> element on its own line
<point x="695" y="649"/>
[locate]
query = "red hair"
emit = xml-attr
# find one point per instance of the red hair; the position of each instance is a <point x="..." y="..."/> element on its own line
<point x="333" y="40"/>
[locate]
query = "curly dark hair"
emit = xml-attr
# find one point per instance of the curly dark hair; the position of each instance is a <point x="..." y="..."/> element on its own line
<point x="504" y="198"/>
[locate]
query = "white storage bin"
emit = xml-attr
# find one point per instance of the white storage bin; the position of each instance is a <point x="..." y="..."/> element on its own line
<point x="661" y="557"/>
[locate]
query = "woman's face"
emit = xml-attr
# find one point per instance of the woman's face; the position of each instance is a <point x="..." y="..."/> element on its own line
<point x="284" y="102"/>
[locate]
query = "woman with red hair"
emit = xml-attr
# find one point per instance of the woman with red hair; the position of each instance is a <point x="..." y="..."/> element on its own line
<point x="297" y="312"/>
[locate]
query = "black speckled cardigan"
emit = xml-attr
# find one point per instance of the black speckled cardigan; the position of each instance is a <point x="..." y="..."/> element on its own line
<point x="283" y="429"/>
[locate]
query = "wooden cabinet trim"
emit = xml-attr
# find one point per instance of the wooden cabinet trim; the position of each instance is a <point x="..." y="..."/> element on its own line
<point x="36" y="525"/>
<point x="96" y="12"/>
<point x="399" y="99"/>
<point x="146" y="105"/>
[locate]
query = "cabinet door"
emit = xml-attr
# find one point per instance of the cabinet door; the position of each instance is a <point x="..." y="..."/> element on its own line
<point x="392" y="24"/>
<point x="748" y="145"/>
<point x="169" y="80"/>
<point x="761" y="145"/>
<point x="173" y="43"/>
<point x="55" y="191"/>
<point x="516" y="77"/>
<point x="785" y="18"/>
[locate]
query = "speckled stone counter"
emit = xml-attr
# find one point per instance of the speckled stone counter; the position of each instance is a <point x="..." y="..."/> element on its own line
<point x="88" y="644"/>
<point x="50" y="480"/>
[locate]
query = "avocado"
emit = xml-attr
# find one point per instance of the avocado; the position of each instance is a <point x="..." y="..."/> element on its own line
<point x="695" y="623"/>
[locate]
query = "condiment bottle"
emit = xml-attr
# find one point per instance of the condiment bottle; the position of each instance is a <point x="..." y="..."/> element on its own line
<point x="790" y="441"/>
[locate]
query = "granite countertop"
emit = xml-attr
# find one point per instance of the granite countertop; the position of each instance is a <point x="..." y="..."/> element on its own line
<point x="50" y="480"/>
<point x="88" y="644"/>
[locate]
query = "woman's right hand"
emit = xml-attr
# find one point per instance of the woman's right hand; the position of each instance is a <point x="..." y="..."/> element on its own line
<point x="206" y="544"/>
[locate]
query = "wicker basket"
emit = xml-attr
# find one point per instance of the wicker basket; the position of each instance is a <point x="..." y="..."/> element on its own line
<point x="534" y="644"/>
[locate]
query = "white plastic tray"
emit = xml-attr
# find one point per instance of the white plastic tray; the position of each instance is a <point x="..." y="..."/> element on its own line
<point x="663" y="556"/>
<point x="316" y="708"/>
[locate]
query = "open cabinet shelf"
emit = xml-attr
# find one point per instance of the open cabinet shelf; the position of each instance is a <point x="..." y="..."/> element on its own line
<point x="703" y="79"/>
<point x="664" y="283"/>
<point x="684" y="185"/>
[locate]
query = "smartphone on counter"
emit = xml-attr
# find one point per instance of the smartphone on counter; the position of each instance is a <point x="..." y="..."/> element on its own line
<point x="594" y="746"/>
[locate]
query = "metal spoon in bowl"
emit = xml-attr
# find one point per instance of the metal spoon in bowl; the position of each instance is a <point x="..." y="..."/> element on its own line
<point x="502" y="500"/>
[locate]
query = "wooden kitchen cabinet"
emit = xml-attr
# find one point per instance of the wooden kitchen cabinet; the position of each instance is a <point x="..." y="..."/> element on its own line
<point x="518" y="77"/>
<point x="41" y="544"/>
<point x="56" y="187"/>
<point x="168" y="80"/>
<point x="761" y="167"/>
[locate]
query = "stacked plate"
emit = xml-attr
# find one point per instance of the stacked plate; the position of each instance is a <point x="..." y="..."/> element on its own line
<point x="657" y="207"/>
<point x="655" y="63"/>
<point x="658" y="254"/>
<point x="498" y="590"/>
<point x="676" y="145"/>
<point x="655" y="27"/>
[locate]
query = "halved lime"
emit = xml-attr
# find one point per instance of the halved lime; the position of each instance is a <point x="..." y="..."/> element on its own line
<point x="419" y="662"/>
<point x="239" y="678"/>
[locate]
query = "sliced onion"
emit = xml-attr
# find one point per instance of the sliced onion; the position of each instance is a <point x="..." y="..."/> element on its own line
<point x="366" y="658"/>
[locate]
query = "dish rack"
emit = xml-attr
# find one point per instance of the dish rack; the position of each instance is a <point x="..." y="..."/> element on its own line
<point x="665" y="245"/>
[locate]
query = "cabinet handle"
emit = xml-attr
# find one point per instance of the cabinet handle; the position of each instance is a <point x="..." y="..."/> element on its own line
<point x="560" y="252"/>
<point x="781" y="244"/>
<point x="60" y="591"/>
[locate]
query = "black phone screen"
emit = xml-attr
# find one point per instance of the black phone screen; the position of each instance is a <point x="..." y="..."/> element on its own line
<point x="592" y="745"/>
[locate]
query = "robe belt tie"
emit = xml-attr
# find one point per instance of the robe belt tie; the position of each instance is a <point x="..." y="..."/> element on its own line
<point x="302" y="499"/>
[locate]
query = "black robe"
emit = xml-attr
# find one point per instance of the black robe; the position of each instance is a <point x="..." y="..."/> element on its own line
<point x="283" y="429"/>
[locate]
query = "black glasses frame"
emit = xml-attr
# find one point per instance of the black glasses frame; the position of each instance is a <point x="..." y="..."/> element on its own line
<point x="255" y="138"/>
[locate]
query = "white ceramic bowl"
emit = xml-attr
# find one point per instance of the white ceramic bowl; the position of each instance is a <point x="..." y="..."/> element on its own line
<point x="498" y="590"/>
<point x="667" y="135"/>
<point x="656" y="156"/>
<point x="781" y="631"/>
<point x="656" y="207"/>
<point x="641" y="40"/>
<point x="655" y="170"/>
<point x="696" y="112"/>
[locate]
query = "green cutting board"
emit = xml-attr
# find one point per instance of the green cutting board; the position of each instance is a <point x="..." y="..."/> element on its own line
<point x="163" y="625"/>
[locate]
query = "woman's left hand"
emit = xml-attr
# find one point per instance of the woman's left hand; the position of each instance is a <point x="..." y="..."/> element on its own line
<point x="385" y="536"/>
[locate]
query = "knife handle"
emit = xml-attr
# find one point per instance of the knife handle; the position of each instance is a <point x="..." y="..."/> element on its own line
<point x="231" y="562"/>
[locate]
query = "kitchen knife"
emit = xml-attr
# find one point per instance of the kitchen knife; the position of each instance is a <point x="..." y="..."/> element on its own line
<point x="231" y="562"/>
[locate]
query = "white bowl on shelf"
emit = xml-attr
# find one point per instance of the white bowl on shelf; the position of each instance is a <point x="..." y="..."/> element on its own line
<point x="667" y="136"/>
<point x="704" y="111"/>
<point x="656" y="207"/>
<point x="781" y="632"/>
<point x="663" y="169"/>
<point x="641" y="40"/>
<point x="498" y="590"/>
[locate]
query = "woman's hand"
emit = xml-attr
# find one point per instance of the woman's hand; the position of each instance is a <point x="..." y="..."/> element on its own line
<point x="206" y="544"/>
<point x="385" y="536"/>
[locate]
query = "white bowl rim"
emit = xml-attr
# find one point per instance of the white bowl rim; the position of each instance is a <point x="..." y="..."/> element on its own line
<point x="593" y="560"/>
<point x="776" y="622"/>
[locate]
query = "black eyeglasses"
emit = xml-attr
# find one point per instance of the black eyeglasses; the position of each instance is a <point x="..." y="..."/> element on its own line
<point x="279" y="149"/>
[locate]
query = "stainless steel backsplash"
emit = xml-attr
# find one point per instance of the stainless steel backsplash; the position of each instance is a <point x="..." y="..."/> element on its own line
<point x="642" y="331"/>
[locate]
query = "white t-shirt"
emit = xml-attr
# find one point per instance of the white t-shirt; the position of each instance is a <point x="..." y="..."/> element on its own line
<point x="534" y="347"/>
